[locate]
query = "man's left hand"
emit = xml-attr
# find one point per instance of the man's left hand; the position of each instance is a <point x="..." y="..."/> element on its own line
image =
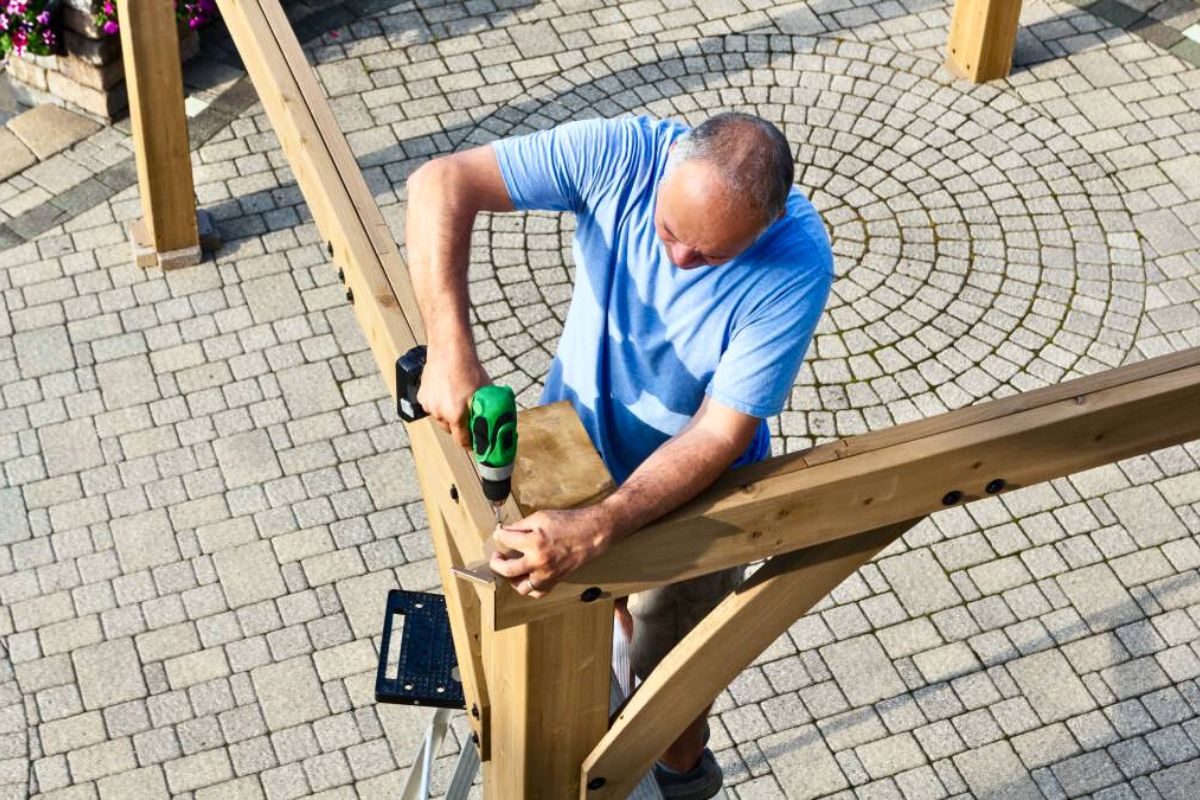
<point x="540" y="550"/>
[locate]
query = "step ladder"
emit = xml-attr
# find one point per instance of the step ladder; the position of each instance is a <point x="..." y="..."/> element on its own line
<point x="426" y="674"/>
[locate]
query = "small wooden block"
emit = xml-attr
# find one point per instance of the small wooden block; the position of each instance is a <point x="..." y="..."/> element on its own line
<point x="557" y="464"/>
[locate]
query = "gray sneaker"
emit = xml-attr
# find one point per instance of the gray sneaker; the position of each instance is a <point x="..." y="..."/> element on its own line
<point x="700" y="783"/>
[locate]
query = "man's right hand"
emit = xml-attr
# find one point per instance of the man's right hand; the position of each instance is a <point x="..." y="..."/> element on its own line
<point x="447" y="383"/>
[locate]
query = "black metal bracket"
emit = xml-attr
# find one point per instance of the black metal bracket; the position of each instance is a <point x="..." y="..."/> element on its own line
<point x="426" y="674"/>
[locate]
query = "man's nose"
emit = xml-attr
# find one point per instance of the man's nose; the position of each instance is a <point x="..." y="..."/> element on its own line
<point x="684" y="256"/>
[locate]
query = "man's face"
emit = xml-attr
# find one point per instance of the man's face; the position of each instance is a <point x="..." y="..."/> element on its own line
<point x="696" y="221"/>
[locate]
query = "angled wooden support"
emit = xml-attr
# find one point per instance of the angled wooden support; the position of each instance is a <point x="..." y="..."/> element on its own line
<point x="983" y="34"/>
<point x="167" y="234"/>
<point x="875" y="480"/>
<point x="721" y="646"/>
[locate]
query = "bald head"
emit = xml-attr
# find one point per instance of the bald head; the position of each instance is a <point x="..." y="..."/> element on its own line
<point x="750" y="157"/>
<point x="725" y="183"/>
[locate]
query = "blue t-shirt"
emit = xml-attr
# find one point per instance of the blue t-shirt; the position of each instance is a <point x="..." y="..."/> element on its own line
<point x="644" y="340"/>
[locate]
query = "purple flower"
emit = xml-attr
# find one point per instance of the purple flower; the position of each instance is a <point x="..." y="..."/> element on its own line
<point x="111" y="27"/>
<point x="109" y="10"/>
<point x="43" y="18"/>
<point x="48" y="38"/>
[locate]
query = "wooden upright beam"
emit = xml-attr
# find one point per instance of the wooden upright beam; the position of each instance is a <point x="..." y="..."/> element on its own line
<point x="983" y="34"/>
<point x="167" y="234"/>
<point x="868" y="482"/>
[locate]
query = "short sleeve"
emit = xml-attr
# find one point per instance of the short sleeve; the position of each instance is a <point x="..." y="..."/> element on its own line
<point x="567" y="167"/>
<point x="756" y="372"/>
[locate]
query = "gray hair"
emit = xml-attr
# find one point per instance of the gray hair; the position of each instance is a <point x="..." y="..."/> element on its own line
<point x="752" y="157"/>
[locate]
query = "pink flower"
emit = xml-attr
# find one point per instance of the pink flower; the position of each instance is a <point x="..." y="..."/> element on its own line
<point x="48" y="38"/>
<point x="19" y="40"/>
<point x="43" y="18"/>
<point x="16" y="7"/>
<point x="111" y="27"/>
<point x="109" y="10"/>
<point x="194" y="22"/>
<point x="3" y="22"/>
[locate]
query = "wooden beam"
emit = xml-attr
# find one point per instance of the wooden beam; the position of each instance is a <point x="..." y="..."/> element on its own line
<point x="328" y="177"/>
<point x="849" y="487"/>
<point x="549" y="683"/>
<point x="463" y="610"/>
<point x="691" y="676"/>
<point x="167" y="232"/>
<point x="983" y="34"/>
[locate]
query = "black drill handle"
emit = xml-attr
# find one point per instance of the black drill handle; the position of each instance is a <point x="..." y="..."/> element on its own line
<point x="408" y="382"/>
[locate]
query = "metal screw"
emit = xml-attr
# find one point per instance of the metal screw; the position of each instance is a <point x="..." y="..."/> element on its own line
<point x="329" y="248"/>
<point x="596" y="783"/>
<point x="350" y="295"/>
<point x="952" y="497"/>
<point x="475" y="738"/>
<point x="590" y="594"/>
<point x="454" y="492"/>
<point x="995" y="486"/>
<point x="475" y="711"/>
<point x="341" y="275"/>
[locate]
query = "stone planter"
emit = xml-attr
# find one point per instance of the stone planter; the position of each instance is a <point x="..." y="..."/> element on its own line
<point x="88" y="74"/>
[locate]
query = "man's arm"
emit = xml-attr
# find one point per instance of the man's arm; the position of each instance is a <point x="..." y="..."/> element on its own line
<point x="545" y="547"/>
<point x="444" y="197"/>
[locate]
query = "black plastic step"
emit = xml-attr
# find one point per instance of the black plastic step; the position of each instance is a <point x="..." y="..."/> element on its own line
<point x="427" y="671"/>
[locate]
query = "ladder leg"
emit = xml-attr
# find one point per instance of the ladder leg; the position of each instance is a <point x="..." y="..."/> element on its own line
<point x="464" y="773"/>
<point x="416" y="786"/>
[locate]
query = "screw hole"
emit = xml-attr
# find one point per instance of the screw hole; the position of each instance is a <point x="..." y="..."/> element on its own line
<point x="952" y="497"/>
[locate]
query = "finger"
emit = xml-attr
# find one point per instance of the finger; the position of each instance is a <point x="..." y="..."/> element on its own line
<point x="458" y="430"/>
<point x="509" y="567"/>
<point x="524" y="585"/>
<point x="513" y="537"/>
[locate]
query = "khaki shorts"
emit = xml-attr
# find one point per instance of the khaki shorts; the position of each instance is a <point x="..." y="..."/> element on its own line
<point x="663" y="616"/>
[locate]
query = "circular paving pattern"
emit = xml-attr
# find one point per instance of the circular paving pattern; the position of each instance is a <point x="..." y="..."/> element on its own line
<point x="979" y="250"/>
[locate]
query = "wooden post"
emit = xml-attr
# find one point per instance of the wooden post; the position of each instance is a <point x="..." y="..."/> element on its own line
<point x="983" y="34"/>
<point x="167" y="234"/>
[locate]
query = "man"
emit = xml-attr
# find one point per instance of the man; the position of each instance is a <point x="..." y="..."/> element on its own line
<point x="700" y="275"/>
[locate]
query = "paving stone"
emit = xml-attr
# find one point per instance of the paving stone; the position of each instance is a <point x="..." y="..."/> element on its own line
<point x="46" y="129"/>
<point x="802" y="764"/>
<point x="1051" y="686"/>
<point x="247" y="459"/>
<point x="1166" y="233"/>
<point x="919" y="582"/>
<point x="249" y="573"/>
<point x="862" y="670"/>
<point x="127" y="382"/>
<point x="310" y="389"/>
<point x="109" y="673"/>
<point x="144" y="540"/>
<point x="1146" y="516"/>
<point x="289" y="692"/>
<point x="197" y="771"/>
<point x="1099" y="597"/>
<point x="272" y="297"/>
<point x="995" y="771"/>
<point x="147" y="782"/>
<point x="42" y="351"/>
<point x="1179" y="782"/>
<point x="14" y="155"/>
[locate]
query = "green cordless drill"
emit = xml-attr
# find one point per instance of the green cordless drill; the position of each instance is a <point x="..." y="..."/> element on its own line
<point x="493" y="426"/>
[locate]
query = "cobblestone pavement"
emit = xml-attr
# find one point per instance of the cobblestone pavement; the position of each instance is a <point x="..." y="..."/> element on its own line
<point x="205" y="495"/>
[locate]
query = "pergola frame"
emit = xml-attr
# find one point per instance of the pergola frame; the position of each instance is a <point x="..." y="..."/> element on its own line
<point x="536" y="673"/>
